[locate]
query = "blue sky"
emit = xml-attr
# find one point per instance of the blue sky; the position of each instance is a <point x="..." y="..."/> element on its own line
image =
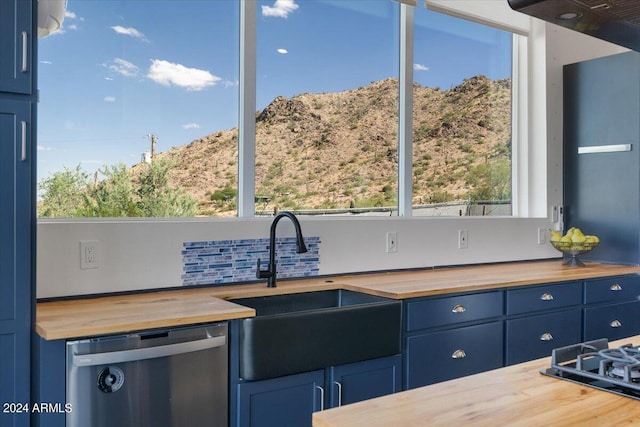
<point x="117" y="72"/>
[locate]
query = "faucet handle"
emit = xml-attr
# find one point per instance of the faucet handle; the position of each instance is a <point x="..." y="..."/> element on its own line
<point x="262" y="274"/>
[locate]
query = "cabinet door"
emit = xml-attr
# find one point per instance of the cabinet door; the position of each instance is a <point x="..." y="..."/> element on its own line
<point x="284" y="401"/>
<point x="441" y="356"/>
<point x="532" y="337"/>
<point x="364" y="380"/>
<point x="601" y="193"/>
<point x="612" y="321"/>
<point x="16" y="46"/>
<point x="16" y="224"/>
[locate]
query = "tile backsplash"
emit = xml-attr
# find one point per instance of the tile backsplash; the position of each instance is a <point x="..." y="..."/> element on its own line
<point x="232" y="261"/>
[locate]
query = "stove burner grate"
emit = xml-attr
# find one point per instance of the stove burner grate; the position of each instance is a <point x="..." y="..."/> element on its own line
<point x="594" y="364"/>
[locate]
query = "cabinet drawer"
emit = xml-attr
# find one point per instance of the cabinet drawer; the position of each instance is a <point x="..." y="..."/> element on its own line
<point x="535" y="336"/>
<point x="434" y="312"/>
<point x="546" y="297"/>
<point x="612" y="289"/>
<point x="612" y="321"/>
<point x="440" y="356"/>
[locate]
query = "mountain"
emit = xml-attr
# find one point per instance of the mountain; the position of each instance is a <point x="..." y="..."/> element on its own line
<point x="339" y="150"/>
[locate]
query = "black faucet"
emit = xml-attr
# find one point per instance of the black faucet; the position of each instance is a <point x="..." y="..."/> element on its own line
<point x="270" y="273"/>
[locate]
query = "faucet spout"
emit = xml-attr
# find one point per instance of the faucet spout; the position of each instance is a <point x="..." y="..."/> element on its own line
<point x="270" y="273"/>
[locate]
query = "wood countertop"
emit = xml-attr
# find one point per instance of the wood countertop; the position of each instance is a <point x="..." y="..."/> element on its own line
<point x="513" y="396"/>
<point x="131" y="312"/>
<point x="420" y="283"/>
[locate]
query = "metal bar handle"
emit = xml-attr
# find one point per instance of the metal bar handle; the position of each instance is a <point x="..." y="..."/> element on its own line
<point x="337" y="383"/>
<point x="321" y="397"/>
<point x="23" y="141"/>
<point x="147" y="353"/>
<point x="25" y="52"/>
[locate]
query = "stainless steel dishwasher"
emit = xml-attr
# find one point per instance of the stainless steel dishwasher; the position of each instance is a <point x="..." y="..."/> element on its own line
<point x="171" y="378"/>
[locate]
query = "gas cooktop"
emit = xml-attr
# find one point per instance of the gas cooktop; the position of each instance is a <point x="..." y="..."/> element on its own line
<point x="594" y="364"/>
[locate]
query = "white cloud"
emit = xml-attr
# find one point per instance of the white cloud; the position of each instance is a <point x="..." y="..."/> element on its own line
<point x="282" y="51"/>
<point x="420" y="67"/>
<point x="191" y="126"/>
<point x="228" y="83"/>
<point x="128" y="31"/>
<point x="122" y="67"/>
<point x="169" y="74"/>
<point x="70" y="15"/>
<point x="109" y="99"/>
<point x="280" y="9"/>
<point x="43" y="148"/>
<point x="46" y="62"/>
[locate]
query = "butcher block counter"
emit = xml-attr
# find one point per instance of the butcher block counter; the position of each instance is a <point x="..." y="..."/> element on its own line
<point x="138" y="311"/>
<point x="517" y="395"/>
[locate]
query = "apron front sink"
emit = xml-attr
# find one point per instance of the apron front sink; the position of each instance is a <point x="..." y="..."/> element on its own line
<point x="303" y="332"/>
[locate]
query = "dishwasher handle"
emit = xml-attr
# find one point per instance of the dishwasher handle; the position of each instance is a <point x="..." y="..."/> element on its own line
<point x="108" y="358"/>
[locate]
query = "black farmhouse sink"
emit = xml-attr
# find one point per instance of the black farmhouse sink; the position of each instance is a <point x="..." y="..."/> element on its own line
<point x="313" y="330"/>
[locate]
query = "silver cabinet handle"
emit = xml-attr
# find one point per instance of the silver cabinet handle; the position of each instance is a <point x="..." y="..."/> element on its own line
<point x="546" y="337"/>
<point x="339" y="392"/>
<point x="615" y="324"/>
<point x="616" y="287"/>
<point x="23" y="143"/>
<point x="459" y="354"/>
<point x="111" y="357"/>
<point x="25" y="52"/>
<point x="546" y="297"/>
<point x="321" y="397"/>
<point x="458" y="308"/>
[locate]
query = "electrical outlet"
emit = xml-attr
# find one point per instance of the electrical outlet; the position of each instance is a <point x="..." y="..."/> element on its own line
<point x="89" y="254"/>
<point x="392" y="242"/>
<point x="463" y="239"/>
<point x="542" y="235"/>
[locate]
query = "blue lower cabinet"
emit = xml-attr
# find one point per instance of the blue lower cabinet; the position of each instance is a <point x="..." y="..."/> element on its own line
<point x="612" y="321"/>
<point x="291" y="400"/>
<point x="364" y="380"/>
<point x="284" y="401"/>
<point x="440" y="356"/>
<point x="533" y="337"/>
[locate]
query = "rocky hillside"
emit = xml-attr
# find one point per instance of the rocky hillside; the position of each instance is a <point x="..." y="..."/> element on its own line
<point x="339" y="150"/>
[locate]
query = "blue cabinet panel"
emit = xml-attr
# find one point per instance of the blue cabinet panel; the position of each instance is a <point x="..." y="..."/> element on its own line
<point x="613" y="321"/>
<point x="429" y="313"/>
<point x="364" y="380"/>
<point x="16" y="227"/>
<point x="277" y="402"/>
<point x="16" y="44"/>
<point x="440" y="356"/>
<point x="546" y="297"/>
<point x="612" y="289"/>
<point x="533" y="337"/>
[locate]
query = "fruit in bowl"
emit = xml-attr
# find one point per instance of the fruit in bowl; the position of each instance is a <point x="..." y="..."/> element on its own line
<point x="573" y="243"/>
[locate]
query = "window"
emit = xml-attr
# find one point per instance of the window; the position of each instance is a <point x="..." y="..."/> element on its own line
<point x="118" y="86"/>
<point x="139" y="112"/>
<point x="327" y="95"/>
<point x="462" y="117"/>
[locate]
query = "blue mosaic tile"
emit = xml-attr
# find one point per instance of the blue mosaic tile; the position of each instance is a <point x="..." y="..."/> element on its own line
<point x="231" y="261"/>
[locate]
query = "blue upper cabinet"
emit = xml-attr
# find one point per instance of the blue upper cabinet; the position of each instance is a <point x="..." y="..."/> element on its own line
<point x="17" y="207"/>
<point x="16" y="46"/>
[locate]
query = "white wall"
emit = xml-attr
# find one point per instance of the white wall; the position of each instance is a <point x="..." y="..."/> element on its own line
<point x="144" y="254"/>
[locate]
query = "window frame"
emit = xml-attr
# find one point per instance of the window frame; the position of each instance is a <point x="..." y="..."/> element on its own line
<point x="521" y="203"/>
